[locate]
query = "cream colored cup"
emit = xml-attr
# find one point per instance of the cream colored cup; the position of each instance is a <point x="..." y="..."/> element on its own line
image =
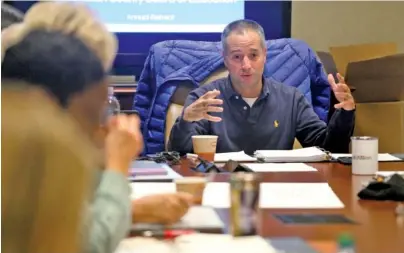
<point x="205" y="146"/>
<point x="365" y="152"/>
<point x="192" y="185"/>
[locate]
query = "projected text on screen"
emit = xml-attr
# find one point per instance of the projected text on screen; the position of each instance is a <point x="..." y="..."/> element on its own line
<point x="160" y="16"/>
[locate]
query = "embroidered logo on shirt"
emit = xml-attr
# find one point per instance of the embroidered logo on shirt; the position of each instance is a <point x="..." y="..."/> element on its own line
<point x="276" y="123"/>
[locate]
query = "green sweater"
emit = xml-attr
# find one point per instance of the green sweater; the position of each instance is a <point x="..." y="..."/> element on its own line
<point x="109" y="215"/>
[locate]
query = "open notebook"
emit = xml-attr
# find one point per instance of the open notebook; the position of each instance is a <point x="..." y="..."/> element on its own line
<point x="311" y="154"/>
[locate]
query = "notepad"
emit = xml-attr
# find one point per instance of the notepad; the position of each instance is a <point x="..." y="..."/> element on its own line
<point x="197" y="243"/>
<point x="299" y="195"/>
<point x="235" y="156"/>
<point x="311" y="154"/>
<point x="383" y="157"/>
<point x="279" y="167"/>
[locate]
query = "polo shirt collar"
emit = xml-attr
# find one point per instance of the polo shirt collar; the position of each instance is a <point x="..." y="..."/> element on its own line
<point x="231" y="93"/>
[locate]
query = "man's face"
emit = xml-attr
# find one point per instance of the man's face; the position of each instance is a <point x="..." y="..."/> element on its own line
<point x="245" y="58"/>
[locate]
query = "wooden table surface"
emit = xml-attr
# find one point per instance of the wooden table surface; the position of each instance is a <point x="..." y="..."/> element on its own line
<point x="378" y="229"/>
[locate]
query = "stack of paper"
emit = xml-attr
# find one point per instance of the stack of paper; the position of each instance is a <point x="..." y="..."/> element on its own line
<point x="299" y="195"/>
<point x="279" y="167"/>
<point x="235" y="156"/>
<point x="311" y="154"/>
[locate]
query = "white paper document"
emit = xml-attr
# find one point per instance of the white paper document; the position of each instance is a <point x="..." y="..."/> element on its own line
<point x="219" y="243"/>
<point x="216" y="194"/>
<point x="279" y="167"/>
<point x="382" y="157"/>
<point x="140" y="189"/>
<point x="235" y="156"/>
<point x="298" y="195"/>
<point x="389" y="173"/>
<point x="197" y="243"/>
<point x="272" y="195"/>
<point x="311" y="154"/>
<point x="197" y="217"/>
<point x="150" y="170"/>
<point x="143" y="245"/>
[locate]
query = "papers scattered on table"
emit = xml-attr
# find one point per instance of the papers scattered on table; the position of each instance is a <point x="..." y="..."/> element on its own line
<point x="298" y="195"/>
<point x="235" y="156"/>
<point x="272" y="195"/>
<point x="383" y="157"/>
<point x="279" y="167"/>
<point x="197" y="243"/>
<point x="389" y="173"/>
<point x="311" y="154"/>
<point x="216" y="195"/>
<point x="198" y="217"/>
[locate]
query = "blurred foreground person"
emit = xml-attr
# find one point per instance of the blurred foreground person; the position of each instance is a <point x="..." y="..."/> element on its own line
<point x="68" y="53"/>
<point x="10" y="15"/>
<point x="46" y="174"/>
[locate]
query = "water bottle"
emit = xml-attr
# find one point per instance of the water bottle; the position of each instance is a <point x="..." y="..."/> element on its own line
<point x="346" y="244"/>
<point x="113" y="107"/>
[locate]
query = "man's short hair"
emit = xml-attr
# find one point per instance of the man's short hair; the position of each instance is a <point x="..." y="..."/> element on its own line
<point x="10" y="15"/>
<point x="241" y="26"/>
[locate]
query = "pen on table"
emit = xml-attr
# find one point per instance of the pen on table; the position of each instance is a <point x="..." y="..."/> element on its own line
<point x="167" y="234"/>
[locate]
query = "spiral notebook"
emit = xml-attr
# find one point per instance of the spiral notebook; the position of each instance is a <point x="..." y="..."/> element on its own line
<point x="311" y="154"/>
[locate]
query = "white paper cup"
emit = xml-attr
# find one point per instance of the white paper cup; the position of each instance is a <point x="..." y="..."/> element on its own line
<point x="365" y="152"/>
<point x="192" y="185"/>
<point x="205" y="146"/>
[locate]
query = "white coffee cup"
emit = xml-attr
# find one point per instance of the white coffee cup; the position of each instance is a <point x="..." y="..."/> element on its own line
<point x="205" y="146"/>
<point x="365" y="152"/>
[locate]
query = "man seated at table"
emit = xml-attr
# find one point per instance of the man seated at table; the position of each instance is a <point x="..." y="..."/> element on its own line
<point x="249" y="112"/>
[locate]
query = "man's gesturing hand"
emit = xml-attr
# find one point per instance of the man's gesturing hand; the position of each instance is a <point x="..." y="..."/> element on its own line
<point x="200" y="109"/>
<point x="342" y="93"/>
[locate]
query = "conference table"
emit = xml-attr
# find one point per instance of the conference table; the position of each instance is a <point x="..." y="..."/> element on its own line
<point x="377" y="228"/>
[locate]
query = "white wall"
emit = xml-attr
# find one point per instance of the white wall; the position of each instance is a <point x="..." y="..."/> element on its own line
<point x="338" y="23"/>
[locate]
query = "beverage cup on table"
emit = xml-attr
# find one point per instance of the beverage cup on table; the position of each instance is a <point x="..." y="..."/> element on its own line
<point x="205" y="146"/>
<point x="192" y="185"/>
<point x="365" y="152"/>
